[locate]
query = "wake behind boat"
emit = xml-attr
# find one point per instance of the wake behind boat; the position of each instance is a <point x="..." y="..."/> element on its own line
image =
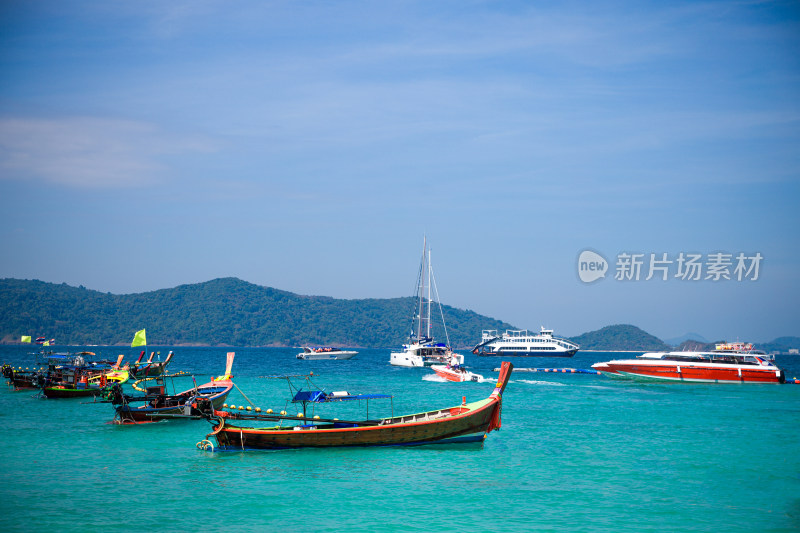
<point x="729" y="363"/>
<point x="319" y="353"/>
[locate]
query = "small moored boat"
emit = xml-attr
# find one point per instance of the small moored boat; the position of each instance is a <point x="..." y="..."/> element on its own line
<point x="80" y="379"/>
<point x="318" y="353"/>
<point x="158" y="405"/>
<point x="149" y="368"/>
<point x="20" y="379"/>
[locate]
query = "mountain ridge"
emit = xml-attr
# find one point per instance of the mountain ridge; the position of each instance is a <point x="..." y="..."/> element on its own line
<point x="222" y="311"/>
<point x="232" y="312"/>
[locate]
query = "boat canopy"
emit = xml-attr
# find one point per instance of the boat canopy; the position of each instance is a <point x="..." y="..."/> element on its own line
<point x="319" y="396"/>
<point x="652" y="355"/>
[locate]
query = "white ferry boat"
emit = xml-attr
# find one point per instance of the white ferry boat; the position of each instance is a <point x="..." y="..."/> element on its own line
<point x="524" y="343"/>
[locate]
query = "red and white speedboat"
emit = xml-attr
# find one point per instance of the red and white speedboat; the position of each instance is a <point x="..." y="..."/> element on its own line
<point x="455" y="373"/>
<point x="730" y="363"/>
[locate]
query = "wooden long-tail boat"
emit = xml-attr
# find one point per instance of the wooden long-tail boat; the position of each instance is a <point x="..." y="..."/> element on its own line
<point x="52" y="368"/>
<point x="149" y="368"/>
<point x="160" y="406"/>
<point x="468" y="422"/>
<point x="20" y="379"/>
<point x="81" y="381"/>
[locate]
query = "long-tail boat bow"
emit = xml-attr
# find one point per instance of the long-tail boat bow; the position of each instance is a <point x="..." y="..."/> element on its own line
<point x="502" y="381"/>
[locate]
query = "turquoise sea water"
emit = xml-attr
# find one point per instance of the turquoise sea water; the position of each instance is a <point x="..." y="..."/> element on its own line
<point x="575" y="453"/>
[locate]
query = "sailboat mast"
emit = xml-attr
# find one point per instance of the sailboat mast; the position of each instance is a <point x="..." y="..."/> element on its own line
<point x="421" y="288"/>
<point x="429" y="294"/>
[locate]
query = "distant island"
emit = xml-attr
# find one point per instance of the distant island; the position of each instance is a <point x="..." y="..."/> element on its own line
<point x="232" y="312"/>
<point x="620" y="337"/>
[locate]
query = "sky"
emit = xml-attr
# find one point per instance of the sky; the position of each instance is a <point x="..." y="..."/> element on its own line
<point x="311" y="146"/>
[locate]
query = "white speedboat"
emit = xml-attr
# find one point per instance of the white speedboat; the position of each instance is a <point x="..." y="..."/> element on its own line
<point x="455" y="373"/>
<point x="524" y="343"/>
<point x="422" y="350"/>
<point x="319" y="353"/>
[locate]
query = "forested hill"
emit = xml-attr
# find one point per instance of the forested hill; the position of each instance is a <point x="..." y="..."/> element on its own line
<point x="232" y="312"/>
<point x="619" y="337"/>
<point x="225" y="311"/>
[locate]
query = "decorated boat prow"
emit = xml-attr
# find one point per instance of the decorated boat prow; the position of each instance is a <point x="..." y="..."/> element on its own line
<point x="150" y="368"/>
<point x="467" y="422"/>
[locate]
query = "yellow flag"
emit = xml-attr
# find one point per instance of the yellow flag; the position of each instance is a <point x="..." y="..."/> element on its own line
<point x="26" y="338"/>
<point x="139" y="339"/>
<point x="46" y="343"/>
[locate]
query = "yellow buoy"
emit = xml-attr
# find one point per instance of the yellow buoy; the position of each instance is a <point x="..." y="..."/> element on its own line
<point x="283" y="412"/>
<point x="248" y="408"/>
<point x="233" y="406"/>
<point x="258" y="409"/>
<point x="269" y="411"/>
<point x="241" y="407"/>
<point x="316" y="417"/>
<point x="225" y="405"/>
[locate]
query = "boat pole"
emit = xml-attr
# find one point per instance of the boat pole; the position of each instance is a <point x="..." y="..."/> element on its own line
<point x="428" y="317"/>
<point x="245" y="397"/>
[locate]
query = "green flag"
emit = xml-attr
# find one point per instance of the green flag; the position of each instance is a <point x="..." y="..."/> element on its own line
<point x="26" y="338"/>
<point x="139" y="339"/>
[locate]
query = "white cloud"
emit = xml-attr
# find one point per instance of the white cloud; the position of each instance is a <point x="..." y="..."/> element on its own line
<point x="87" y="152"/>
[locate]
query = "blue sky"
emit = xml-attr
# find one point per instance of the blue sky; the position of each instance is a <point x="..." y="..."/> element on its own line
<point x="309" y="146"/>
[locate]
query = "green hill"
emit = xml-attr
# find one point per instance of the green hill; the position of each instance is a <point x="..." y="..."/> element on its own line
<point x="225" y="311"/>
<point x="619" y="337"/>
<point x="232" y="312"/>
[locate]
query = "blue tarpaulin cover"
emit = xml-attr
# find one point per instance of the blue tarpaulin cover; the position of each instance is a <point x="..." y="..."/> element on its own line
<point x="309" y="396"/>
<point x="320" y="396"/>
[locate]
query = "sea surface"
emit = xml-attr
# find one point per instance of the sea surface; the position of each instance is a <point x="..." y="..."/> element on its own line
<point x="576" y="452"/>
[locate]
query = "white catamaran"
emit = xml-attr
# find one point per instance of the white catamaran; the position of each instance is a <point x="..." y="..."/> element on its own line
<point x="422" y="350"/>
